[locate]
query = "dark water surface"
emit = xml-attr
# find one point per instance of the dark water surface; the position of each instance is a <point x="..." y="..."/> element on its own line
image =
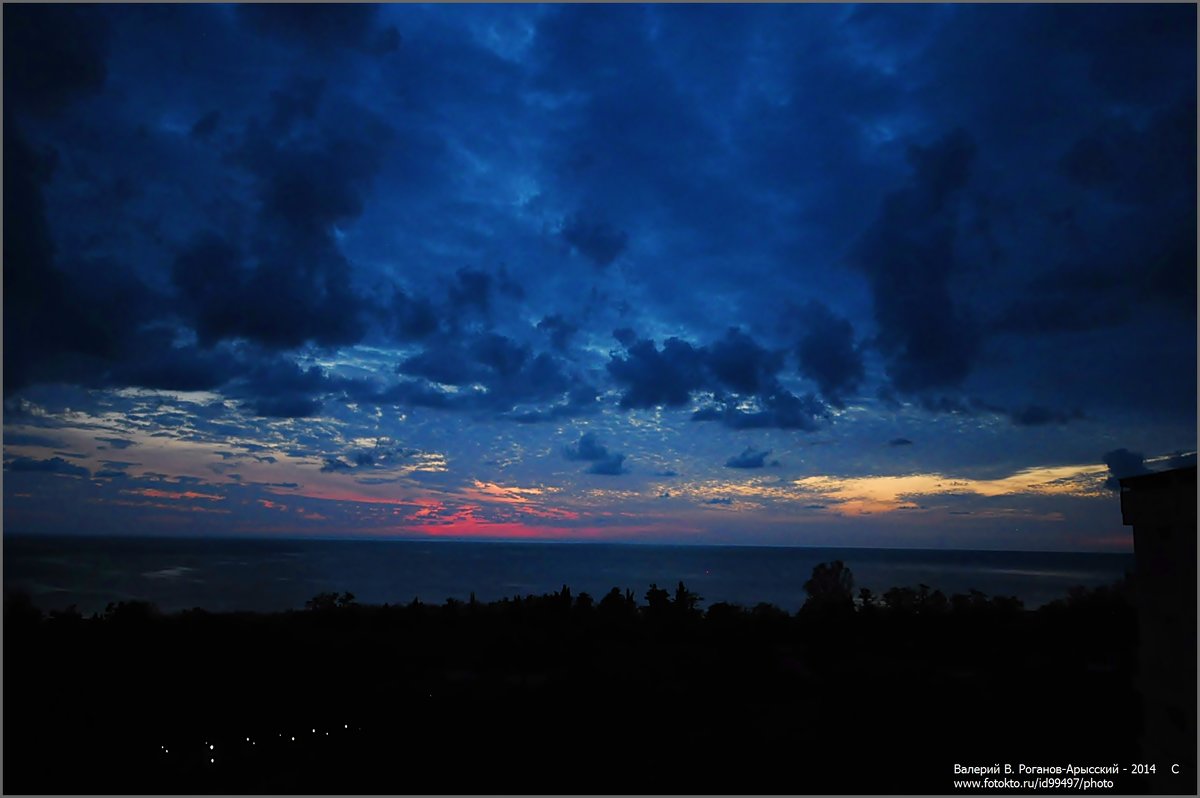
<point x="265" y="575"/>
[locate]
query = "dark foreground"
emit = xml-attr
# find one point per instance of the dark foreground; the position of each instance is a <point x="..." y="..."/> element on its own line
<point x="563" y="694"/>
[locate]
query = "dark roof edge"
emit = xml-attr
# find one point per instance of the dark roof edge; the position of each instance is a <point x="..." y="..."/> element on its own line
<point x="1160" y="477"/>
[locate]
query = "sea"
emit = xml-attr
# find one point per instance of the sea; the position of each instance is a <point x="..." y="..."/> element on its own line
<point x="265" y="575"/>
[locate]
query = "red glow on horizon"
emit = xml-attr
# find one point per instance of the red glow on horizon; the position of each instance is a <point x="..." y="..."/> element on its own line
<point x="548" y="512"/>
<point x="1114" y="543"/>
<point x="477" y="528"/>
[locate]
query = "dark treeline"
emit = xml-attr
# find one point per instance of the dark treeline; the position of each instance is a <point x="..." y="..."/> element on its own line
<point x="568" y="693"/>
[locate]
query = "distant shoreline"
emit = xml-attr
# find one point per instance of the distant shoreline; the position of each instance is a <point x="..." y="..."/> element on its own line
<point x="541" y="542"/>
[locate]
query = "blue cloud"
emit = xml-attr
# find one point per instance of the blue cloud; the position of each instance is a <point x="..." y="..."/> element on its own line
<point x="610" y="465"/>
<point x="588" y="447"/>
<point x="118" y="443"/>
<point x="54" y="465"/>
<point x="749" y="458"/>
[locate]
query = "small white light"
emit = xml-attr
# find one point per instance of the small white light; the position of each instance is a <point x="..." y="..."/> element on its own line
<point x="293" y="739"/>
<point x="326" y="734"/>
<point x="347" y="726"/>
<point x="247" y="739"/>
<point x="210" y="748"/>
<point x="212" y="760"/>
<point x="314" y="731"/>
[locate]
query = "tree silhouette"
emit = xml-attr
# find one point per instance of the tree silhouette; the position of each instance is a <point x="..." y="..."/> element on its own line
<point x="130" y="612"/>
<point x="331" y="601"/>
<point x="685" y="601"/>
<point x="971" y="601"/>
<point x="900" y="599"/>
<point x="923" y="600"/>
<point x="19" y="608"/>
<point x="658" y="601"/>
<point x="830" y="590"/>
<point x="868" y="602"/>
<point x="69" y="615"/>
<point x="617" y="606"/>
<point x="322" y="601"/>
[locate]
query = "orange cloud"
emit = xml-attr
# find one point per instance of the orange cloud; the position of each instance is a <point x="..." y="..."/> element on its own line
<point x="863" y="495"/>
<point x="155" y="493"/>
<point x="180" y="508"/>
<point x="491" y="492"/>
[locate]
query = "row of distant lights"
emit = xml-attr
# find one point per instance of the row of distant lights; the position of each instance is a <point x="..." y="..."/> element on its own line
<point x="212" y="748"/>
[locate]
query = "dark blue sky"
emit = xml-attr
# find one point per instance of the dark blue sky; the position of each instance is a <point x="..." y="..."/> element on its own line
<point x="788" y="274"/>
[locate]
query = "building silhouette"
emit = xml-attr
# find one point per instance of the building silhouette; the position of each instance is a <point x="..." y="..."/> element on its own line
<point x="1161" y="508"/>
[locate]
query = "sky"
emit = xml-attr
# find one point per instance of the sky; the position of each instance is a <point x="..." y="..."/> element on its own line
<point x="800" y="275"/>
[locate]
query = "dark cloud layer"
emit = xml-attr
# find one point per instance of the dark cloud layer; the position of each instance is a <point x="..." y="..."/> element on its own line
<point x="27" y="439"/>
<point x="292" y="260"/>
<point x="300" y="161"/>
<point x="741" y="365"/>
<point x="503" y="374"/>
<point x="732" y="367"/>
<point x="322" y="26"/>
<point x="828" y="353"/>
<point x="598" y="241"/>
<point x="279" y="388"/>
<point x="57" y="325"/>
<point x="789" y="218"/>
<point x="654" y="377"/>
<point x="53" y="56"/>
<point x="559" y="329"/>
<point x="908" y="255"/>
